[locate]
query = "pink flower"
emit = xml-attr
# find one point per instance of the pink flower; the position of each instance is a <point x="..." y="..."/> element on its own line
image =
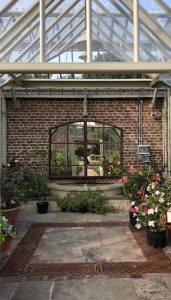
<point x="131" y="170"/>
<point x="157" y="177"/>
<point x="124" y="178"/>
<point x="119" y="180"/>
<point x="133" y="210"/>
<point x="130" y="195"/>
<point x="141" y="191"/>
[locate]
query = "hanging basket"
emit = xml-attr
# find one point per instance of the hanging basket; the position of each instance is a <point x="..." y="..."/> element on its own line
<point x="132" y="218"/>
<point x="156" y="239"/>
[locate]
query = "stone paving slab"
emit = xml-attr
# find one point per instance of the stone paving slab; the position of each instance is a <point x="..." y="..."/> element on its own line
<point x="152" y="287"/>
<point x="7" y="290"/>
<point x="102" y="289"/>
<point x="89" y="244"/>
<point x="35" y="290"/>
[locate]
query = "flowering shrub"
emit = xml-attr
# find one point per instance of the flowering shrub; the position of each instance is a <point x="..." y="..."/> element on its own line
<point x="13" y="185"/>
<point x="18" y="184"/>
<point x="151" y="212"/>
<point x="136" y="182"/>
<point x="6" y="229"/>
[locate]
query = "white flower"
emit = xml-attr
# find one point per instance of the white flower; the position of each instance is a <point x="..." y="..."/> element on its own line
<point x="156" y="209"/>
<point x="148" y="188"/>
<point x="151" y="223"/>
<point x="16" y="161"/>
<point x="151" y="211"/>
<point x="161" y="200"/>
<point x="8" y="165"/>
<point x="153" y="185"/>
<point x="138" y="226"/>
<point x="4" y="219"/>
<point x="157" y="192"/>
<point x="162" y="194"/>
<point x="134" y="215"/>
<point x="132" y="203"/>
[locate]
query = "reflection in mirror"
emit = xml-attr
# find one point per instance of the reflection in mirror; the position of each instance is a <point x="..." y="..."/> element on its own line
<point x="85" y="149"/>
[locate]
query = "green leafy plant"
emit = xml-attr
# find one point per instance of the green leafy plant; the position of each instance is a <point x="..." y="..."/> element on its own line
<point x="89" y="201"/>
<point x="14" y="185"/>
<point x="6" y="229"/>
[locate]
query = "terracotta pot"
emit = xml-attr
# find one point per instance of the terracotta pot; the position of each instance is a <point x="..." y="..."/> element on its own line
<point x="156" y="239"/>
<point x="6" y="244"/>
<point x="11" y="214"/>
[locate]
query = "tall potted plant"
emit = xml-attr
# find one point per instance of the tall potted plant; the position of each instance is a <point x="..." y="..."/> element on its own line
<point x="13" y="189"/>
<point x="37" y="178"/>
<point x="151" y="214"/>
<point x="7" y="232"/>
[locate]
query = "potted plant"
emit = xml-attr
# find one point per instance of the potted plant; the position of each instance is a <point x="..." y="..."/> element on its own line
<point x="7" y="232"/>
<point x="13" y="189"/>
<point x="134" y="188"/>
<point x="63" y="203"/>
<point x="36" y="160"/>
<point x="151" y="214"/>
<point x="135" y="184"/>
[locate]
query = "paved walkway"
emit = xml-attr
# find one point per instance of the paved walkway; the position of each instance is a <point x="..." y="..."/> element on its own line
<point x="82" y="245"/>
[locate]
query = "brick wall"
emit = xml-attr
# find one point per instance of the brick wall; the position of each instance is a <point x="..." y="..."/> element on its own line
<point x="32" y="122"/>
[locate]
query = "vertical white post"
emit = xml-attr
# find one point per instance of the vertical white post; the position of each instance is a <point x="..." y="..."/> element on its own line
<point x="42" y="30"/>
<point x="3" y="129"/>
<point x="164" y="122"/>
<point x="135" y="28"/>
<point x="89" y="30"/>
<point x="169" y="131"/>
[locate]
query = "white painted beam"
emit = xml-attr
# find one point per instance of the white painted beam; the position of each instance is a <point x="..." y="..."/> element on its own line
<point x="42" y="29"/>
<point x="135" y="30"/>
<point x="149" y="23"/>
<point x="83" y="83"/>
<point x="3" y="129"/>
<point x="169" y="132"/>
<point x="65" y="68"/>
<point x="89" y="30"/>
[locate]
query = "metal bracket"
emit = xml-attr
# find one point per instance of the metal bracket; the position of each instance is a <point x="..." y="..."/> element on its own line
<point x="15" y="100"/>
<point x="85" y="112"/>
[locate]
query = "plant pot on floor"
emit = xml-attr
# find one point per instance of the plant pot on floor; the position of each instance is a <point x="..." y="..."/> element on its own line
<point x="63" y="208"/>
<point x="4" y="247"/>
<point x="132" y="218"/>
<point x="156" y="239"/>
<point x="11" y="214"/>
<point x="42" y="207"/>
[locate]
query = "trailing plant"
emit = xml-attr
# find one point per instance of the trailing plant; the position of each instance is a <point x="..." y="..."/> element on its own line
<point x="6" y="229"/>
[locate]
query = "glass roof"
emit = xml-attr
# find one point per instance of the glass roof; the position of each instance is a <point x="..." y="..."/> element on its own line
<point x="65" y="30"/>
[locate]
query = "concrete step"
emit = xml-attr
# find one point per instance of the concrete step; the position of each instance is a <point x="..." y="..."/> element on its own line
<point x="110" y="190"/>
<point x="118" y="202"/>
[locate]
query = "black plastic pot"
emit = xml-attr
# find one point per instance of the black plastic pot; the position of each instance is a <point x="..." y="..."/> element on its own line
<point x="132" y="218"/>
<point x="156" y="239"/>
<point x="42" y="207"/>
<point x="63" y="209"/>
